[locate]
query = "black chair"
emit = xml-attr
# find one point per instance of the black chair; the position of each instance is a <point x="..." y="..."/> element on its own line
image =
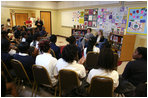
<point x="91" y="60"/>
<point x="42" y="77"/>
<point x="6" y="71"/>
<point x="68" y="80"/>
<point x="101" y="87"/>
<point x="21" y="74"/>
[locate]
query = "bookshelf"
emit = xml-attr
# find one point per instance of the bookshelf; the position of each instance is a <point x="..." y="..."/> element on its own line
<point x="123" y="45"/>
<point x="77" y="33"/>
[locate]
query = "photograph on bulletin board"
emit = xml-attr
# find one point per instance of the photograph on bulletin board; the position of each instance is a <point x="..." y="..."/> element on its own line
<point x="137" y="21"/>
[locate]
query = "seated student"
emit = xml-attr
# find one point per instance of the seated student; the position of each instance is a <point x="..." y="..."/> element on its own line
<point x="43" y="33"/>
<point x="136" y="71"/>
<point x="46" y="60"/>
<point x="5" y="56"/>
<point x="33" y="51"/>
<point x="105" y="67"/>
<point x="72" y="41"/>
<point x="91" y="46"/>
<point x="35" y="41"/>
<point x="56" y="49"/>
<point x="24" y="58"/>
<point x="13" y="48"/>
<point x="86" y="37"/>
<point x="68" y="61"/>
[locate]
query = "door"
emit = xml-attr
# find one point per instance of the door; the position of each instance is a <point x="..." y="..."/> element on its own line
<point x="46" y="18"/>
<point x="20" y="18"/>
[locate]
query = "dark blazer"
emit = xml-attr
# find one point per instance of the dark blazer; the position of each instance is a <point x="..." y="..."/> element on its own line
<point x="6" y="57"/>
<point x="101" y="39"/>
<point x="56" y="50"/>
<point x="27" y="62"/>
<point x="136" y="71"/>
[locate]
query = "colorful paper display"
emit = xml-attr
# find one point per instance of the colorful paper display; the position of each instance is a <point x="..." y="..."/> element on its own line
<point x="137" y="21"/>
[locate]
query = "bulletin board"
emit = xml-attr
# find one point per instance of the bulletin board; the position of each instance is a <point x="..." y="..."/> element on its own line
<point x="137" y="21"/>
<point x="112" y="18"/>
<point x="70" y="18"/>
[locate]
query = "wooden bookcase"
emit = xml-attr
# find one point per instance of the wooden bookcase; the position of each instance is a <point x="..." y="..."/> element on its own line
<point x="77" y="33"/>
<point x="123" y="45"/>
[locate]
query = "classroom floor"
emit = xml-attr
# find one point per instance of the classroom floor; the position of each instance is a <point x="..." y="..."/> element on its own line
<point x="27" y="91"/>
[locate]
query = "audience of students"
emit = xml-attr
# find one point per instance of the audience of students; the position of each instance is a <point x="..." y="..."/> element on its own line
<point x="26" y="45"/>
<point x="46" y="60"/>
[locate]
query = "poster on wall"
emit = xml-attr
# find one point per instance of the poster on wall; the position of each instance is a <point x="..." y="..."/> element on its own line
<point x="90" y="17"/>
<point x="112" y="18"/>
<point x="137" y="21"/>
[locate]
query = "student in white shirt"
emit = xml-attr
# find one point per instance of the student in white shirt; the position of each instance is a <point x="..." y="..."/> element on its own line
<point x="68" y="61"/>
<point x="35" y="41"/>
<point x="91" y="46"/>
<point x="46" y="60"/>
<point x="105" y="67"/>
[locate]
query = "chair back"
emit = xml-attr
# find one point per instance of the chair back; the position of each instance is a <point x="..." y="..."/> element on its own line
<point x="52" y="53"/>
<point x="41" y="75"/>
<point x="5" y="70"/>
<point x="20" y="70"/>
<point x="91" y="60"/>
<point x="101" y="87"/>
<point x="68" y="80"/>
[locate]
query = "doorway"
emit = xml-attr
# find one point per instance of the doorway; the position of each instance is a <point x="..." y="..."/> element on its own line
<point x="20" y="18"/>
<point x="46" y="18"/>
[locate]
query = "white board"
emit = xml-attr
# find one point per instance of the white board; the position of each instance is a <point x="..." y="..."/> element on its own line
<point x="66" y="19"/>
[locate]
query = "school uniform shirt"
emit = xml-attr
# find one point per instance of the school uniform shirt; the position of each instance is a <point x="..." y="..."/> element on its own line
<point x="136" y="71"/>
<point x="95" y="49"/>
<point x="100" y="72"/>
<point x="27" y="62"/>
<point x="36" y="44"/>
<point x="61" y="63"/>
<point x="46" y="60"/>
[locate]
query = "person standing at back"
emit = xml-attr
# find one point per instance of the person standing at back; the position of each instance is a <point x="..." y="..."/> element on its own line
<point x="39" y="23"/>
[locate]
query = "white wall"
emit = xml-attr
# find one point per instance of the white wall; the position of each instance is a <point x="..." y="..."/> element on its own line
<point x="73" y="4"/>
<point x="30" y="4"/>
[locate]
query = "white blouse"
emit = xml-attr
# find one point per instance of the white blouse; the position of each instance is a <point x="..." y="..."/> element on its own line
<point x="95" y="49"/>
<point x="100" y="72"/>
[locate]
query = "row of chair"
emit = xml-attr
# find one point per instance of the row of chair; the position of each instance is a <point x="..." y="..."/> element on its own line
<point x="68" y="80"/>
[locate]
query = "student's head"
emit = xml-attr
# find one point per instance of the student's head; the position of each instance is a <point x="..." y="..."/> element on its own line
<point x="100" y="32"/>
<point x="91" y="43"/>
<point x="107" y="44"/>
<point x="88" y="30"/>
<point x="140" y="53"/>
<point x="8" y="20"/>
<point x="71" y="40"/>
<point x="23" y="47"/>
<point x="70" y="53"/>
<point x="33" y="51"/>
<point x="106" y="59"/>
<point x="53" y="38"/>
<point x="5" y="45"/>
<point x="44" y="46"/>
